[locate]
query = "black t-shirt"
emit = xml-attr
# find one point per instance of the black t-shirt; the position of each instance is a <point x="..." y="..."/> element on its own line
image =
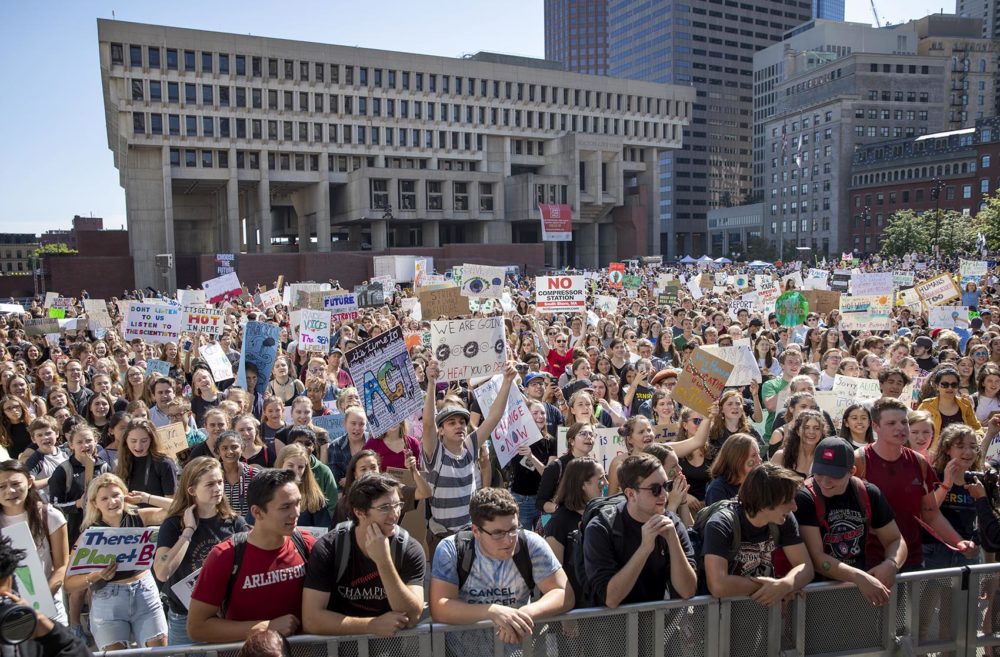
<point x="551" y="476"/>
<point x="153" y="475"/>
<point x="753" y="559"/>
<point x="360" y="592"/>
<point x="524" y="481"/>
<point x="562" y="522"/>
<point x="848" y="532"/>
<point x="956" y="418"/>
<point x="697" y="478"/>
<point x="642" y="394"/>
<point x="207" y="534"/>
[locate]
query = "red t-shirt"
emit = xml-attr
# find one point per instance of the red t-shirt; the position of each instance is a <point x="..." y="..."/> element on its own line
<point x="391" y="459"/>
<point x="268" y="583"/>
<point x="557" y="364"/>
<point x="903" y="483"/>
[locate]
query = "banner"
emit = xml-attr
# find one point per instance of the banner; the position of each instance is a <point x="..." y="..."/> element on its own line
<point x="872" y="284"/>
<point x="225" y="263"/>
<point x="204" y="319"/>
<point x="314" y="331"/>
<point x="383" y="374"/>
<point x="131" y="547"/>
<point x="97" y="314"/>
<point x="482" y="281"/>
<point x="557" y="222"/>
<point x="370" y="295"/>
<point x="342" y="306"/>
<point x="222" y="288"/>
<point x="446" y="301"/>
<point x="702" y="381"/>
<point x="606" y="304"/>
<point x="972" y="268"/>
<point x="865" y="313"/>
<point x="938" y="291"/>
<point x="260" y="348"/>
<point x="469" y="348"/>
<point x="29" y="576"/>
<point x="948" y="317"/>
<point x="791" y="308"/>
<point x="745" y="367"/>
<point x="218" y="363"/>
<point x="560" y="294"/>
<point x="616" y="275"/>
<point x="152" y="322"/>
<point x="516" y="426"/>
<point x="191" y="297"/>
<point x="42" y="326"/>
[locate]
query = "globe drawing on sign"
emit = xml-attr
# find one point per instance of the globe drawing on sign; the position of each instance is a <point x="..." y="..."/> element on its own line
<point x="616" y="276"/>
<point x="477" y="285"/>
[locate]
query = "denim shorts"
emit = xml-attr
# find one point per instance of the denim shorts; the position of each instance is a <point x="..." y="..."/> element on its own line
<point x="123" y="612"/>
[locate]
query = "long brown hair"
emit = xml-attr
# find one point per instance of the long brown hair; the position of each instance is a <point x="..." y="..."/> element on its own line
<point x="192" y="473"/>
<point x="793" y="439"/>
<point x="33" y="504"/>
<point x="125" y="457"/>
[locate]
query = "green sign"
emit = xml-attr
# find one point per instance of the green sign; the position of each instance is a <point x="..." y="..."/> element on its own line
<point x="632" y="282"/>
<point x="791" y="308"/>
<point x="671" y="293"/>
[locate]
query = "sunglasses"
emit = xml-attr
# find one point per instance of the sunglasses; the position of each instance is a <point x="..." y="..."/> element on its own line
<point x="948" y="384"/>
<point x="984" y="354"/>
<point x="696" y="420"/>
<point x="657" y="489"/>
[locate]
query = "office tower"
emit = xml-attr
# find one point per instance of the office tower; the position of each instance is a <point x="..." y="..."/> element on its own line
<point x="576" y="34"/>
<point x="832" y="10"/>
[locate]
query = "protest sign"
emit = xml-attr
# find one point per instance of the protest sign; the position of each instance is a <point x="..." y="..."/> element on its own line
<point x="841" y="280"/>
<point x="446" y="301"/>
<point x="15" y="308"/>
<point x="50" y="297"/>
<point x="417" y="339"/>
<point x="412" y="306"/>
<point x="29" y="576"/>
<point x="314" y="331"/>
<point x="606" y="304"/>
<point x="225" y="263"/>
<point x="902" y="279"/>
<point x="172" y="438"/>
<point x="218" y="363"/>
<point x="482" y="281"/>
<point x="270" y="298"/>
<point x="333" y="424"/>
<point x="910" y="299"/>
<point x="185" y="587"/>
<point x="560" y="294"/>
<point x="948" y="317"/>
<point x="42" y="326"/>
<point x="856" y="388"/>
<point x="791" y="308"/>
<point x="515" y="428"/>
<point x="66" y="303"/>
<point x="204" y="319"/>
<point x="370" y="295"/>
<point x="260" y="348"/>
<point x="57" y="313"/>
<point x="745" y="367"/>
<point x="816" y="280"/>
<point x="822" y="301"/>
<point x="557" y="222"/>
<point x="152" y="322"/>
<point x="191" y="297"/>
<point x="342" y="306"/>
<point x="694" y="288"/>
<point x="632" y="282"/>
<point x="874" y="284"/>
<point x="97" y="314"/>
<point x="672" y="292"/>
<point x="739" y="281"/>
<point x="383" y="374"/>
<point x="795" y="278"/>
<point x="736" y="305"/>
<point x="972" y="268"/>
<point x="485" y="306"/>
<point x="469" y="348"/>
<point x="419" y="271"/>
<point x="290" y="293"/>
<point x="222" y="288"/>
<point x="131" y="547"/>
<point x="608" y="444"/>
<point x="938" y="291"/>
<point x="865" y="313"/>
<point x="702" y="380"/>
<point x="157" y="366"/>
<point x="828" y="401"/>
<point x="507" y="303"/>
<point x="616" y="275"/>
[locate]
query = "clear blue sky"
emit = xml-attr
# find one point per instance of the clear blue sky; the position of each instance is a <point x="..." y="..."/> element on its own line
<point x="56" y="162"/>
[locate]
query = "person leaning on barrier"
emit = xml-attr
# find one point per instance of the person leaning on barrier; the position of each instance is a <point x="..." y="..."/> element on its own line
<point x="837" y="512"/>
<point x="366" y="575"/>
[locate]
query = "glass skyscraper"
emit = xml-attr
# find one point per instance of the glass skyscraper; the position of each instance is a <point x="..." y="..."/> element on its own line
<point x="829" y="9"/>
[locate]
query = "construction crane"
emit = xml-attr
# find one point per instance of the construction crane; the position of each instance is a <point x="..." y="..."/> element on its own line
<point x="878" y="23"/>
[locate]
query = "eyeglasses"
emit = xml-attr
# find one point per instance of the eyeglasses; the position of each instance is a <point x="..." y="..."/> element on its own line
<point x="948" y="384"/>
<point x="500" y="534"/>
<point x="585" y="434"/>
<point x="984" y="354"/>
<point x="386" y="508"/>
<point x="175" y="416"/>
<point x="561" y="341"/>
<point x="696" y="420"/>
<point x="656" y="489"/>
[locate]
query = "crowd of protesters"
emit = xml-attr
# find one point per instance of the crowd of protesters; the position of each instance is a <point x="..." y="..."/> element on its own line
<point x="763" y="494"/>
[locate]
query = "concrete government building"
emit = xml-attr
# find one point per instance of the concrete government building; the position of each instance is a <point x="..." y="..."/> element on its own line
<point x="233" y="143"/>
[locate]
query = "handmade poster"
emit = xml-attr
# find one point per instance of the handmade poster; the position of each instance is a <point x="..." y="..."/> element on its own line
<point x="606" y="304"/>
<point x="865" y="313"/>
<point x="560" y="294"/>
<point x="948" y="317"/>
<point x="225" y="263"/>
<point x="446" y="301"/>
<point x="874" y="284"/>
<point x="745" y="367"/>
<point x="131" y="547"/>
<point x="191" y="297"/>
<point x="507" y="302"/>
<point x="616" y="275"/>
<point x="419" y="271"/>
<point x="218" y="363"/>
<point x="66" y="303"/>
<point x="222" y="288"/>
<point x="57" y="313"/>
<point x="157" y="366"/>
<point x="767" y="295"/>
<point x="856" y="388"/>
<point x="260" y="347"/>
<point x="417" y="338"/>
<point x="30" y="581"/>
<point x="290" y="293"/>
<point x="485" y="306"/>
<point x="333" y="424"/>
<point x="270" y="298"/>
<point x="412" y="306"/>
<point x="15" y="308"/>
<point x="370" y="295"/>
<point x="50" y="297"/>
<point x="97" y="314"/>
<point x="204" y="319"/>
<point x="342" y="306"/>
<point x="314" y="331"/>
<point x="608" y="444"/>
<point x="152" y="322"/>
<point x="816" y="280"/>
<point x="972" y="268"/>
<point x="482" y="281"/>
<point x="739" y="281"/>
<point x="795" y="278"/>
<point x="736" y="305"/>
<point x="172" y="438"/>
<point x="902" y="279"/>
<point x="466" y="348"/>
<point x="672" y="292"/>
<point x="632" y="282"/>
<point x="42" y="326"/>
<point x="841" y="280"/>
<point x="938" y="291"/>
<point x="701" y="382"/>
<point x="383" y="374"/>
<point x="516" y="426"/>
<point x="694" y="288"/>
<point x="791" y="308"/>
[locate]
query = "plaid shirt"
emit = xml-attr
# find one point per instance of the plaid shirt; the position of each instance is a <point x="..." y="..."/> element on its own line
<point x="339" y="456"/>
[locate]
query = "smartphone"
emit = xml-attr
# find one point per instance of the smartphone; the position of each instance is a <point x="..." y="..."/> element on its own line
<point x="526" y="462"/>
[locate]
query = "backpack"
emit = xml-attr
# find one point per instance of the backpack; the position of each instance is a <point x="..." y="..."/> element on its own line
<point x="239" y="548"/>
<point x="342" y="546"/>
<point x="608" y="509"/>
<point x="696" y="534"/>
<point x="466" y="556"/>
<point x="860" y="493"/>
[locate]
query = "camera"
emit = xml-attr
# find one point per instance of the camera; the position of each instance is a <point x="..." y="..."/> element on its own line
<point x="990" y="479"/>
<point x="17" y="622"/>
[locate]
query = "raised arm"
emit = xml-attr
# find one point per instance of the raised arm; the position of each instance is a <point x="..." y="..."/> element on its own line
<point x="499" y="406"/>
<point x="429" y="440"/>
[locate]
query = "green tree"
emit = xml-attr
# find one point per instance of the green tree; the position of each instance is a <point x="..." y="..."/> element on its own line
<point x="906" y="233"/>
<point x="988" y="221"/>
<point x="53" y="249"/>
<point x="955" y="234"/>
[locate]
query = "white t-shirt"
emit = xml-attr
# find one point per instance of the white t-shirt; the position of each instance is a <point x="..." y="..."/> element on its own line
<point x="54" y="519"/>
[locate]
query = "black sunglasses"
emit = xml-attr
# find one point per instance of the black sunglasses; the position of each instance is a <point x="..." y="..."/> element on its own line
<point x="657" y="489"/>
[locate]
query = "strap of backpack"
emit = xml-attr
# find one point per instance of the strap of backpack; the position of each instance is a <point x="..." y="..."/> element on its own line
<point x="342" y="547"/>
<point x="734" y="544"/>
<point x="820" y="503"/>
<point x="239" y="547"/>
<point x="300" y="544"/>
<point x="397" y="546"/>
<point x="861" y="491"/>
<point x="465" y="554"/>
<point x="522" y="559"/>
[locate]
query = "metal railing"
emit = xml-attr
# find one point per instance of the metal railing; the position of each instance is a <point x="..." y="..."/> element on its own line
<point x="953" y="612"/>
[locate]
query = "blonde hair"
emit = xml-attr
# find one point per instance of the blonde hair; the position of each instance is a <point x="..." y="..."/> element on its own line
<point x="92" y="514"/>
<point x="312" y="495"/>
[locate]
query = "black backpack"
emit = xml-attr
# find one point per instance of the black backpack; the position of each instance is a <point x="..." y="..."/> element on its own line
<point x="608" y="509"/>
<point x="696" y="534"/>
<point x="239" y="547"/>
<point x="466" y="556"/>
<point x="342" y="546"/>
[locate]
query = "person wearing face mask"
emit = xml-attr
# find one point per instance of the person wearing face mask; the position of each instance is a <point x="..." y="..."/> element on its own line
<point x="372" y="563"/>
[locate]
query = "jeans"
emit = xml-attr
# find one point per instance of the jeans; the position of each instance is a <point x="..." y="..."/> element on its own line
<point x="177" y="629"/>
<point x="123" y="612"/>
<point x="526" y="510"/>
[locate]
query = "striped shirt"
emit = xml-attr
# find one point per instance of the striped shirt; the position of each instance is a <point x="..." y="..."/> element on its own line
<point x="453" y="481"/>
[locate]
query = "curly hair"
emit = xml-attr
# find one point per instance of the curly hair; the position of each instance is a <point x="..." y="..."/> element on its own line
<point x="793" y="439"/>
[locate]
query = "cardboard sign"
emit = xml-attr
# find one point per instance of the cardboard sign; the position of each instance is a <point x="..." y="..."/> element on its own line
<point x="816" y="280"/>
<point x="29" y="576"/>
<point x="371" y="295"/>
<point x="260" y="347"/>
<point x="948" y="317"/>
<point x="875" y="284"/>
<point x="822" y="301"/>
<point x="97" y="314"/>
<point x="342" y="306"/>
<point x="152" y="322"/>
<point x="171" y="439"/>
<point x="290" y="292"/>
<point x="191" y="297"/>
<point x="938" y="291"/>
<point x="314" y="331"/>
<point x="383" y="374"/>
<point x="745" y="367"/>
<point x="447" y="301"/>
<point x="606" y="304"/>
<point x="482" y="281"/>
<point x="204" y="319"/>
<point x="42" y="326"/>
<point x="333" y="424"/>
<point x="856" y="388"/>
<point x="516" y="426"/>
<point x="701" y="382"/>
<point x="222" y="288"/>
<point x="270" y="298"/>
<point x="560" y="294"/>
<point x="865" y="313"/>
<point x="131" y="547"/>
<point x="218" y="363"/>
<point x="469" y="348"/>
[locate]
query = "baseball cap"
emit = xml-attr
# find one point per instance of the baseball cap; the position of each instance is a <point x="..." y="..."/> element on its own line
<point x="535" y="375"/>
<point x="449" y="412"/>
<point x="924" y="341"/>
<point x="834" y="457"/>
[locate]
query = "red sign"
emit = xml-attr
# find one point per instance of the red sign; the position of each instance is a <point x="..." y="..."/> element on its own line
<point x="616" y="274"/>
<point x="557" y="222"/>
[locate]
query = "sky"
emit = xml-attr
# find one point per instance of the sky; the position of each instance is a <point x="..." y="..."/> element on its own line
<point x="56" y="161"/>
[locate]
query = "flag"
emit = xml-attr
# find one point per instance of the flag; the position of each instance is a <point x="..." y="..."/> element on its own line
<point x="784" y="142"/>
<point x="798" y="154"/>
<point x="981" y="243"/>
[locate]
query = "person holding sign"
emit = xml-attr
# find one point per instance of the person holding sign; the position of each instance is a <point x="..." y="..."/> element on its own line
<point x="124" y="606"/>
<point x="142" y="465"/>
<point x="199" y="518"/>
